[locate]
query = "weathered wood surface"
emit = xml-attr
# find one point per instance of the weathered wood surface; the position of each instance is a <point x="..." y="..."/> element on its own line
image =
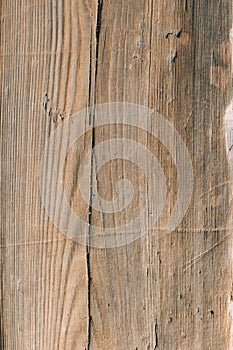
<point x="163" y="291"/>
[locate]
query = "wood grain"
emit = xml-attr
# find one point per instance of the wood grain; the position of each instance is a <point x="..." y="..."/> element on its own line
<point x="163" y="291"/>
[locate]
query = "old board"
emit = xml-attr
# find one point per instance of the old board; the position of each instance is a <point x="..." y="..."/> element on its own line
<point x="163" y="290"/>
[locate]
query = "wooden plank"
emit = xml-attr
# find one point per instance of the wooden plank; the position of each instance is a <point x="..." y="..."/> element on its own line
<point x="163" y="290"/>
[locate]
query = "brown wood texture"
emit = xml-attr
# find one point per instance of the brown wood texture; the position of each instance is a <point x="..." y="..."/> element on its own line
<point x="162" y="291"/>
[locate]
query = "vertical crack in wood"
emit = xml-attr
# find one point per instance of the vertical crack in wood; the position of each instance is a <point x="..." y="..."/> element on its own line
<point x="150" y="40"/>
<point x="92" y="121"/>
<point x="89" y="223"/>
<point x="97" y="37"/>
<point x="156" y="335"/>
